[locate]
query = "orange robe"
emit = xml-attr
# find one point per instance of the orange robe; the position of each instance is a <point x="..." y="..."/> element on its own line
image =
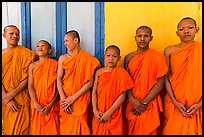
<point x="44" y="76"/>
<point x="145" y="68"/>
<point x="186" y="82"/>
<point x="110" y="86"/>
<point x="79" y="70"/>
<point x="15" y="64"/>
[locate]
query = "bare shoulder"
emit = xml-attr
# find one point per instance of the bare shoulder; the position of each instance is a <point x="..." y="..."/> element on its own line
<point x="129" y="56"/>
<point x="100" y="71"/>
<point x="63" y="57"/>
<point x="4" y="50"/>
<point x="170" y="49"/>
<point x="33" y="65"/>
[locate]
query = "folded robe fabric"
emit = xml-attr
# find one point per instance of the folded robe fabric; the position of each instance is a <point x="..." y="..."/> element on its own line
<point x="79" y="70"/>
<point x="186" y="82"/>
<point x="145" y="68"/>
<point x="15" y="64"/>
<point x="44" y="76"/>
<point x="110" y="86"/>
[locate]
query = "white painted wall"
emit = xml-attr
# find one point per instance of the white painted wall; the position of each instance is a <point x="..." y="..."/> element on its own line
<point x="43" y="24"/>
<point x="10" y="15"/>
<point x="81" y="18"/>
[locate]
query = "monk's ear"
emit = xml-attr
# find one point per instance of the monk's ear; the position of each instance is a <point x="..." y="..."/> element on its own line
<point x="177" y="33"/>
<point x="151" y="38"/>
<point x="4" y="35"/>
<point x="197" y="29"/>
<point x="76" y="40"/>
<point x="119" y="58"/>
<point x="50" y="51"/>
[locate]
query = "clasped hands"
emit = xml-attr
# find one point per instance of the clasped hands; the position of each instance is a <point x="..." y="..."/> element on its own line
<point x="138" y="106"/>
<point x="67" y="104"/>
<point x="102" y="117"/>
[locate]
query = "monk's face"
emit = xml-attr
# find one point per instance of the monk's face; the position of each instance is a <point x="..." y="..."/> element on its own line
<point x="143" y="38"/>
<point x="111" y="57"/>
<point x="42" y="49"/>
<point x="69" y="42"/>
<point x="187" y="30"/>
<point x="12" y="35"/>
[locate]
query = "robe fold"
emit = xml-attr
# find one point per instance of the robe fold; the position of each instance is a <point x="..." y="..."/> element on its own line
<point x="44" y="76"/>
<point x="186" y="82"/>
<point x="110" y="86"/>
<point x="145" y="69"/>
<point x="15" y="65"/>
<point x="79" y="70"/>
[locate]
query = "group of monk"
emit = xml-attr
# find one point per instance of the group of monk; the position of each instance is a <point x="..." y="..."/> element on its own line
<point x="152" y="94"/>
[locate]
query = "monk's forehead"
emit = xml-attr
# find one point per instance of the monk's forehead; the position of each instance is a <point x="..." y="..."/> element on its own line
<point x="12" y="28"/>
<point x="146" y="30"/>
<point x="187" y="21"/>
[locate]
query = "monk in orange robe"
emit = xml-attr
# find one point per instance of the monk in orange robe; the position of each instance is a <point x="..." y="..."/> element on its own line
<point x="147" y="67"/>
<point x="43" y="92"/>
<point x="109" y="91"/>
<point x="15" y="98"/>
<point x="75" y="78"/>
<point x="183" y="101"/>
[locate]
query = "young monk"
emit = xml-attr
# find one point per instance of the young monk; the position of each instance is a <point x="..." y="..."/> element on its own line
<point x="42" y="89"/>
<point x="147" y="67"/>
<point x="183" y="101"/>
<point x="15" y="98"/>
<point x="75" y="78"/>
<point x="109" y="92"/>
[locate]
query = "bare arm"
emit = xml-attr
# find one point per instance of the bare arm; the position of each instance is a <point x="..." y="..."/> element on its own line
<point x="107" y="115"/>
<point x="46" y="109"/>
<point x="31" y="88"/>
<point x="83" y="90"/>
<point x="54" y="99"/>
<point x="126" y="61"/>
<point x="10" y="95"/>
<point x="60" y="74"/>
<point x="3" y="91"/>
<point x="94" y="94"/>
<point x="12" y="104"/>
<point x="97" y="113"/>
<point x="169" y="89"/>
<point x="167" y="83"/>
<point x="154" y="92"/>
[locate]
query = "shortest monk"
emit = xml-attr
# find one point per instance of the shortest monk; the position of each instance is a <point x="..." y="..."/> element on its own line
<point x="109" y="91"/>
<point x="42" y="89"/>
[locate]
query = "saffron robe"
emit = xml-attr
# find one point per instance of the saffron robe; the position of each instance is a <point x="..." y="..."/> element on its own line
<point x="44" y="77"/>
<point x="15" y="65"/>
<point x="186" y="82"/>
<point x="145" y="68"/>
<point x="79" y="70"/>
<point x="110" y="86"/>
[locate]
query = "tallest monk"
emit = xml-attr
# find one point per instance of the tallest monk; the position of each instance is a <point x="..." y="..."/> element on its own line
<point x="15" y="98"/>
<point x="183" y="101"/>
<point x="75" y="78"/>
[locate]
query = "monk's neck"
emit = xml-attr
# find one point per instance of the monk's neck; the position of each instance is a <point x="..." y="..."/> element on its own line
<point x="41" y="59"/>
<point x="141" y="49"/>
<point x="10" y="46"/>
<point x="183" y="44"/>
<point x="75" y="51"/>
<point x="107" y="68"/>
